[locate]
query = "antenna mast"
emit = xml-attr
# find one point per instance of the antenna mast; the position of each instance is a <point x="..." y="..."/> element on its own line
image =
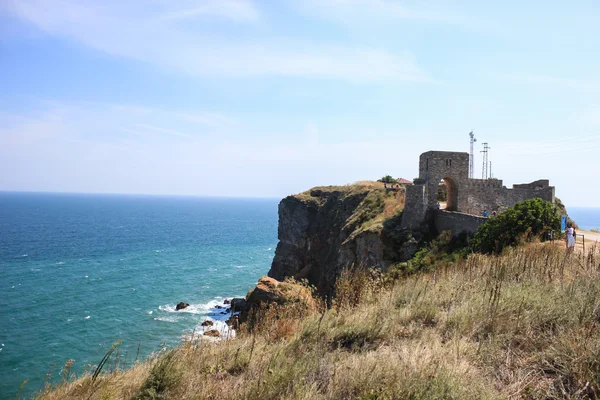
<point x="471" y="156"/>
<point x="484" y="169"/>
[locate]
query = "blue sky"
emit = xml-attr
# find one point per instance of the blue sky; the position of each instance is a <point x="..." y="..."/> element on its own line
<point x="265" y="98"/>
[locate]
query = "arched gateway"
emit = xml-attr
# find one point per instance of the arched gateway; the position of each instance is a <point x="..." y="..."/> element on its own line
<point x="453" y="169"/>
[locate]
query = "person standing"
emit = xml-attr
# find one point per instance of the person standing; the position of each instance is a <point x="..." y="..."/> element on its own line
<point x="570" y="238"/>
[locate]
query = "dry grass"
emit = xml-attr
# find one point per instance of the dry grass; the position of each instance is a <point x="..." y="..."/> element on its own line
<point x="525" y="324"/>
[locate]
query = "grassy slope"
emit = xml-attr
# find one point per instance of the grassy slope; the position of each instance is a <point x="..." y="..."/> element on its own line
<point x="378" y="206"/>
<point x="521" y="325"/>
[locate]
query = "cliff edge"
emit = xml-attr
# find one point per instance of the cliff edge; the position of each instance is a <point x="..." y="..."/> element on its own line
<point x="327" y="229"/>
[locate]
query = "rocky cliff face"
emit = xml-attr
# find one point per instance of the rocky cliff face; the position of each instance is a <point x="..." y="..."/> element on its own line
<point x="327" y="229"/>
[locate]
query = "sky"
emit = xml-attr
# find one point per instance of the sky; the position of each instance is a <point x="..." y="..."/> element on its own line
<point x="261" y="98"/>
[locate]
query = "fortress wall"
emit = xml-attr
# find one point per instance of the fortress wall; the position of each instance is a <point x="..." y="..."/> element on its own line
<point x="415" y="206"/>
<point x="482" y="194"/>
<point x="457" y="222"/>
<point x="539" y="184"/>
<point x="509" y="197"/>
<point x="498" y="198"/>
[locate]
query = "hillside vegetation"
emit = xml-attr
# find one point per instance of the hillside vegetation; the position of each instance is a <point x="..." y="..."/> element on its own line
<point x="522" y="324"/>
<point x="376" y="206"/>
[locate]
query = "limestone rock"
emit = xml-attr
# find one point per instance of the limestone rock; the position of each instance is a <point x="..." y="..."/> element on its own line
<point x="181" y="305"/>
<point x="321" y="232"/>
<point x="212" y="333"/>
<point x="269" y="290"/>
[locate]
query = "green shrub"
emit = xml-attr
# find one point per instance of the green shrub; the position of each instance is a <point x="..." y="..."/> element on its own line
<point x="163" y="376"/>
<point x="387" y="179"/>
<point x="525" y="221"/>
<point x="443" y="250"/>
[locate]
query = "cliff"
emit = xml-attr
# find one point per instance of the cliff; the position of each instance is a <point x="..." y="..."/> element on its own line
<point x="328" y="229"/>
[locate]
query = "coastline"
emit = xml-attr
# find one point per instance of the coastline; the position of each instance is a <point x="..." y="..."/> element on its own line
<point x="216" y="311"/>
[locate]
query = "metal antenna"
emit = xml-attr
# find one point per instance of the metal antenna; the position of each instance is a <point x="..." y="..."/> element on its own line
<point x="471" y="156"/>
<point x="484" y="169"/>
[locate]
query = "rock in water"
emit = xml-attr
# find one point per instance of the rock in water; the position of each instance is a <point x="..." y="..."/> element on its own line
<point x="238" y="305"/>
<point x="208" y="322"/>
<point x="227" y="301"/>
<point x="212" y="333"/>
<point x="181" y="305"/>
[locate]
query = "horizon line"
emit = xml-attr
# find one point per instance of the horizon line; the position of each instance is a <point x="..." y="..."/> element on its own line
<point x="3" y="191"/>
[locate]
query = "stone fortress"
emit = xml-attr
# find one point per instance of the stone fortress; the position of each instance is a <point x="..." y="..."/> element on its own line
<point x="467" y="198"/>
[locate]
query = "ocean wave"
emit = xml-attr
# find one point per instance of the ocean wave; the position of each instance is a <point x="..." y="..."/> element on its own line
<point x="24" y="255"/>
<point x="60" y="263"/>
<point x="166" y="319"/>
<point x="202" y="308"/>
<point x="240" y="266"/>
<point x="88" y="317"/>
<point x="220" y="326"/>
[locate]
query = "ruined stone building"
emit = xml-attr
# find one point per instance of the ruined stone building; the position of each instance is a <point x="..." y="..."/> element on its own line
<point x="467" y="198"/>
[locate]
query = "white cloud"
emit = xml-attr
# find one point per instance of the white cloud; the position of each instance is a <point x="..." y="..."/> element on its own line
<point x="131" y="31"/>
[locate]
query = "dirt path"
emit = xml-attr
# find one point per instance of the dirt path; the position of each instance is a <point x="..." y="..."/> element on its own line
<point x="590" y="238"/>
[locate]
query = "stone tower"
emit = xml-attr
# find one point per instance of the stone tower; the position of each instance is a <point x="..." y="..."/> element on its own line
<point x="453" y="168"/>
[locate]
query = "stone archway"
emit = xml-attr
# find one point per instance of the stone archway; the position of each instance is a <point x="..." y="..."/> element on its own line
<point x="451" y="194"/>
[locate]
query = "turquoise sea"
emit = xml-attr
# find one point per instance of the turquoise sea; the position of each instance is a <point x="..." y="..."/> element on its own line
<point x="80" y="272"/>
<point x="586" y="217"/>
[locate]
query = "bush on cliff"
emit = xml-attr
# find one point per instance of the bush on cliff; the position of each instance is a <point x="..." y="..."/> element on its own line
<point x="525" y="221"/>
<point x="441" y="251"/>
<point x="387" y="179"/>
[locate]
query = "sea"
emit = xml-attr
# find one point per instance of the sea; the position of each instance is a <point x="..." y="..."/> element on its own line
<point x="586" y="218"/>
<point x="79" y="272"/>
